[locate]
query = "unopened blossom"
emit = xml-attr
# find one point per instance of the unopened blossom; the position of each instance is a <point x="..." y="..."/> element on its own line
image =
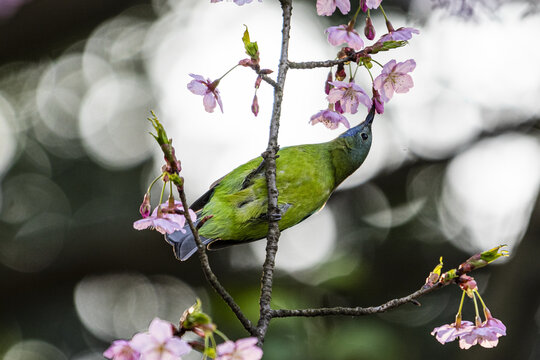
<point x="255" y="106"/>
<point x="401" y="34"/>
<point x="394" y="78"/>
<point x="145" y="207"/>
<point x="369" y="29"/>
<point x="342" y="34"/>
<point x="327" y="7"/>
<point x="449" y="332"/>
<point x="208" y="89"/>
<point x="330" y="119"/>
<point x="165" y="219"/>
<point x="349" y="95"/>
<point x="159" y="343"/>
<point x="243" y="349"/>
<point x="121" y="350"/>
<point x="379" y="104"/>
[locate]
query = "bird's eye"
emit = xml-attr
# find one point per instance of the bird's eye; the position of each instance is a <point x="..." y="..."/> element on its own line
<point x="364" y="136"/>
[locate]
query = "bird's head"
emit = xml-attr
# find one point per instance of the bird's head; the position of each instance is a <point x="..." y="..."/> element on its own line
<point x="360" y="135"/>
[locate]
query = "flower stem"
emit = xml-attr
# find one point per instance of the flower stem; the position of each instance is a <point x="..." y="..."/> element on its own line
<point x="356" y="13"/>
<point x="378" y="63"/>
<point x="153" y="182"/>
<point x="161" y="198"/>
<point x="231" y="69"/>
<point x="370" y="75"/>
<point x="481" y="300"/>
<point x="222" y="335"/>
<point x="477" y="319"/>
<point x="384" y="14"/>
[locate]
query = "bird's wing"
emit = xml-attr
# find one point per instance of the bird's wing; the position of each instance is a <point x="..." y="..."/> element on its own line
<point x="204" y="198"/>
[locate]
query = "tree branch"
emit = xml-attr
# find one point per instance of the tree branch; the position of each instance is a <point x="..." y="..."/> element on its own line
<point x="316" y="64"/>
<point x="270" y="161"/>
<point x="356" y="311"/>
<point x="210" y="276"/>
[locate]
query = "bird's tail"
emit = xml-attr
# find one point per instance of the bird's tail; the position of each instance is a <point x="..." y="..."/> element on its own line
<point x="183" y="242"/>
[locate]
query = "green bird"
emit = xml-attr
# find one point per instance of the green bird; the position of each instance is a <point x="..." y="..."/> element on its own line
<point x="306" y="176"/>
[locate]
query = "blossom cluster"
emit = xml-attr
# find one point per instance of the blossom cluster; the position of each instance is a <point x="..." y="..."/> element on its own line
<point x="343" y="96"/>
<point x="163" y="341"/>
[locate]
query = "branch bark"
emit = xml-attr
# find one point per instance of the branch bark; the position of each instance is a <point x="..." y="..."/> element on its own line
<point x="270" y="161"/>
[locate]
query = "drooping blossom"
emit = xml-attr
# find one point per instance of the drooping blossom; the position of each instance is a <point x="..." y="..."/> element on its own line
<point x="159" y="343"/>
<point x="349" y="95"/>
<point x="481" y="335"/>
<point x="165" y="220"/>
<point x="255" y="106"/>
<point x="208" y="89"/>
<point x="242" y="349"/>
<point x="330" y="119"/>
<point x="394" y="78"/>
<point x="373" y="4"/>
<point x="401" y="34"/>
<point x="379" y="104"/>
<point x="121" y="350"/>
<point x="369" y="29"/>
<point x="327" y="7"/>
<point x="449" y="332"/>
<point x="342" y="34"/>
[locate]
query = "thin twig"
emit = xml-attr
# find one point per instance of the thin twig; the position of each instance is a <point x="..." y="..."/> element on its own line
<point x="316" y="64"/>
<point x="210" y="276"/>
<point x="270" y="160"/>
<point x="356" y="311"/>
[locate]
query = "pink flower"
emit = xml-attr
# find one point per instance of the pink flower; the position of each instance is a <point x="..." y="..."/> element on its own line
<point x="121" y="350"/>
<point x="394" y="77"/>
<point x="208" y="90"/>
<point x="373" y="4"/>
<point x="341" y="34"/>
<point x="483" y="335"/>
<point x="243" y="349"/>
<point x="159" y="343"/>
<point x="349" y="95"/>
<point x="165" y="221"/>
<point x="327" y="7"/>
<point x="448" y="333"/>
<point x="403" y="33"/>
<point x="330" y="119"/>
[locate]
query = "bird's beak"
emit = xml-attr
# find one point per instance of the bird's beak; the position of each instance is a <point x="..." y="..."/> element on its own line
<point x="370" y="116"/>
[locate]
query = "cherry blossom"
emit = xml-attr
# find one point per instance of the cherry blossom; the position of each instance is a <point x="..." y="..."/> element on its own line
<point x="341" y="34"/>
<point x="208" y="89"/>
<point x="327" y="7"/>
<point x="349" y="95"/>
<point x="242" y="349"/>
<point x="449" y="332"/>
<point x="159" y="343"/>
<point x="330" y="119"/>
<point x="401" y="34"/>
<point x="165" y="220"/>
<point x="394" y="78"/>
<point x="121" y="350"/>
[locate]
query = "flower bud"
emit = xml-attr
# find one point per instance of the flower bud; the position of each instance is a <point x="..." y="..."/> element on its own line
<point x="145" y="207"/>
<point x="258" y="81"/>
<point x="389" y="26"/>
<point x="255" y="106"/>
<point x="340" y="72"/>
<point x="327" y="85"/>
<point x="369" y="29"/>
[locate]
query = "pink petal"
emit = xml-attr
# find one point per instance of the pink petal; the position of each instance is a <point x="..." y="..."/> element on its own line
<point x="335" y="95"/>
<point x="387" y="91"/>
<point x="344" y="6"/>
<point x="197" y="87"/>
<point x="403" y="83"/>
<point x="405" y="67"/>
<point x="209" y="102"/>
<point x="337" y="35"/>
<point x="245" y="343"/>
<point x="161" y="330"/>
<point x="355" y="41"/>
<point x="143" y="223"/>
<point x="488" y="343"/>
<point x="218" y="98"/>
<point x="177" y="346"/>
<point x="225" y="348"/>
<point x="373" y="4"/>
<point x="325" y="7"/>
<point x="166" y="226"/>
<point x="143" y="342"/>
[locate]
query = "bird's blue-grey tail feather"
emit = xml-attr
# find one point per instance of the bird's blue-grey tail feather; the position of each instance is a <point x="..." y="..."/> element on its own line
<point x="183" y="243"/>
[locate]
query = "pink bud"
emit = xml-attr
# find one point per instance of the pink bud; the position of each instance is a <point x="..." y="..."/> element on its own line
<point x="327" y="85"/>
<point x="363" y="5"/>
<point x="255" y="106"/>
<point x="369" y="29"/>
<point x="245" y="62"/>
<point x="258" y="81"/>
<point x="145" y="207"/>
<point x="389" y="26"/>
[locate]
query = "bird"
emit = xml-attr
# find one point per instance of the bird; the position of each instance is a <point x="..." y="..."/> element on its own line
<point x="235" y="207"/>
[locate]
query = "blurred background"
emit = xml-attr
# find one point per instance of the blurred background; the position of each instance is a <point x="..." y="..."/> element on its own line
<point x="454" y="169"/>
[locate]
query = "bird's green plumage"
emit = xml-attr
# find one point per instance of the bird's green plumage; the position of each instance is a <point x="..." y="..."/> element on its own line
<point x="306" y="176"/>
